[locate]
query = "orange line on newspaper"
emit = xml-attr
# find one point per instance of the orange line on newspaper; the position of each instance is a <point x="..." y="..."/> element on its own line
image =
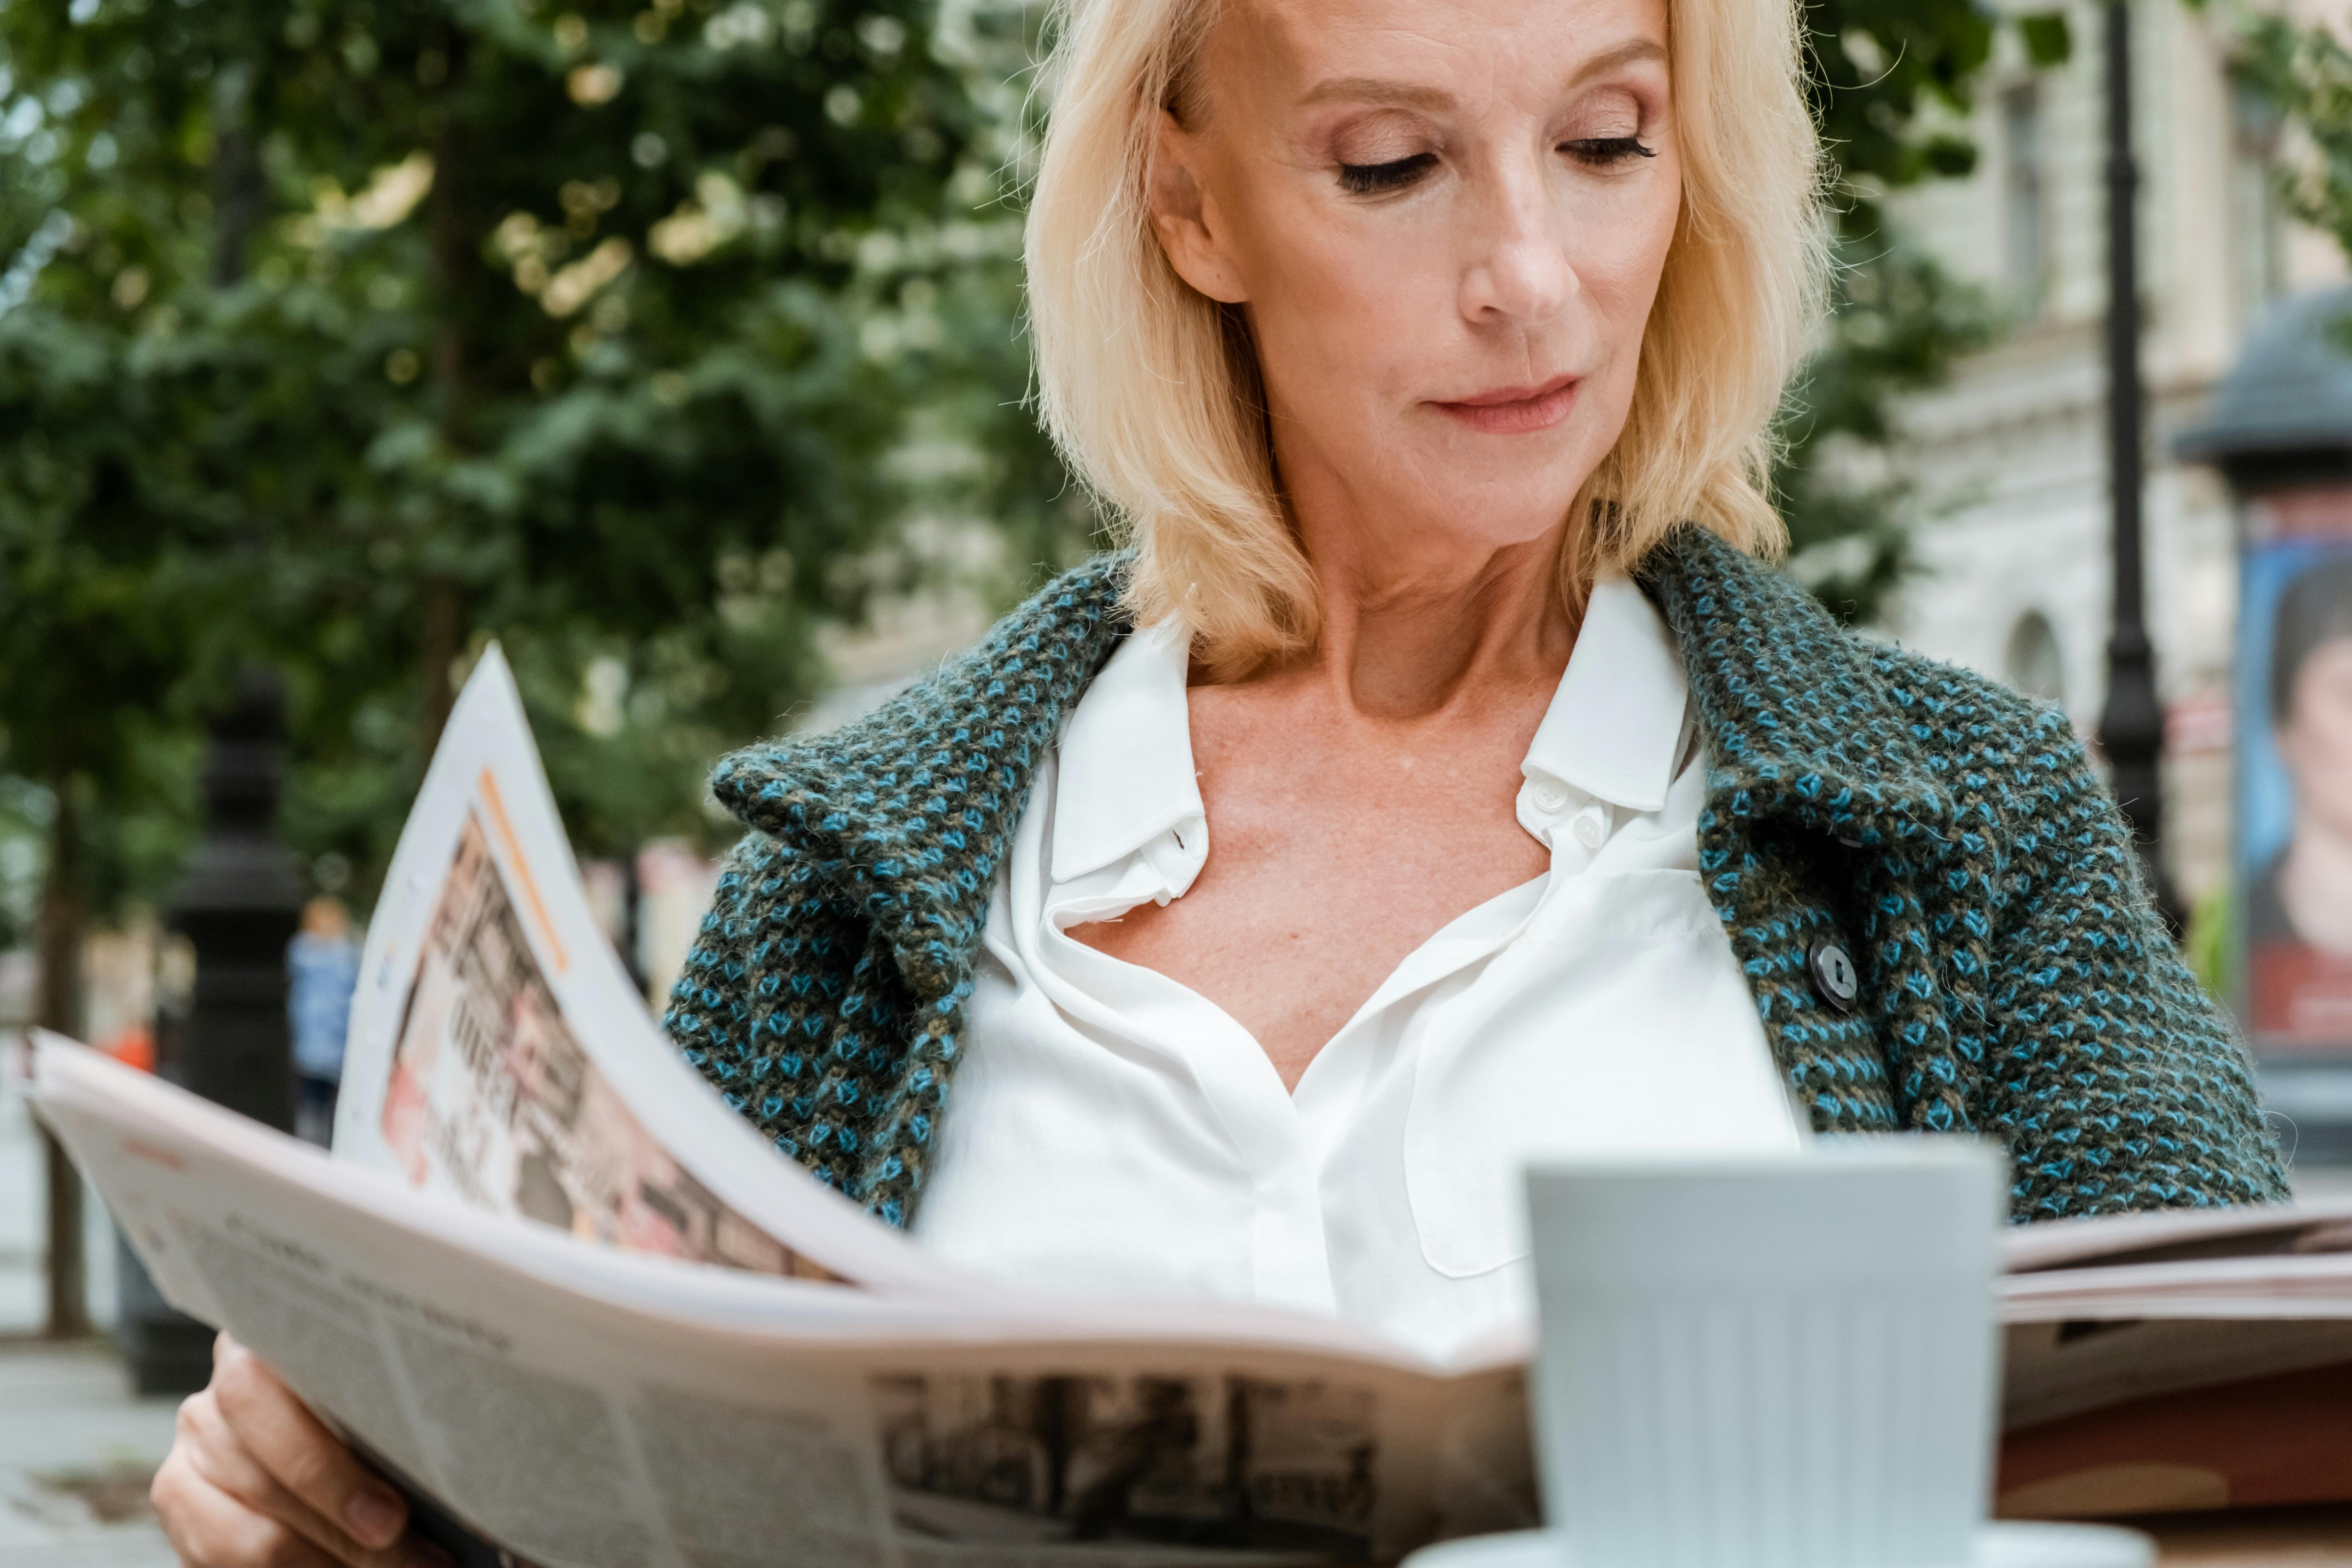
<point x="522" y="867"/>
<point x="146" y="1150"/>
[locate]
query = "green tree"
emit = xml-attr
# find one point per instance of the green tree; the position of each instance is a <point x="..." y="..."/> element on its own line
<point x="2306" y="72"/>
<point x="585" y="327"/>
<point x="101" y="618"/>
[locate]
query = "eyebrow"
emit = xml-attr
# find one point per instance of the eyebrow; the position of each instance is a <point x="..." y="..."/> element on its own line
<point x="1381" y="90"/>
<point x="1376" y="90"/>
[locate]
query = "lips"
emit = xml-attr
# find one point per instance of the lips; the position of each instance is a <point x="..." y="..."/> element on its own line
<point x="1514" y="410"/>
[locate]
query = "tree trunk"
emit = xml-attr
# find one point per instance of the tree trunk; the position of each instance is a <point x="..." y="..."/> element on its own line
<point x="64" y="921"/>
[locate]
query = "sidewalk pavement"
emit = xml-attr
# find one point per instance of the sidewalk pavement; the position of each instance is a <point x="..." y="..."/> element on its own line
<point x="77" y="1451"/>
<point x="76" y="1448"/>
<point x="24" y="1183"/>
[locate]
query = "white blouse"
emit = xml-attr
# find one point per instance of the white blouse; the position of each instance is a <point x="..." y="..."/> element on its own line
<point x="1112" y="1132"/>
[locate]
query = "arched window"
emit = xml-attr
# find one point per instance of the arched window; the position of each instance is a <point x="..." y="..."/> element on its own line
<point x="2035" y="664"/>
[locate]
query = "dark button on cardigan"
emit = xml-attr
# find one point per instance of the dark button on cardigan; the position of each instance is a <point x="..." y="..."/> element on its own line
<point x="1948" y="835"/>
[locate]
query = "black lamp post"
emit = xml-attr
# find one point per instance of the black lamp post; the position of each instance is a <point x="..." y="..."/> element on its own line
<point x="238" y="906"/>
<point x="2131" y="725"/>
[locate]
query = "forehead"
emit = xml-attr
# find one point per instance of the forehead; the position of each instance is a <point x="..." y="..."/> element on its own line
<point x="1455" y="43"/>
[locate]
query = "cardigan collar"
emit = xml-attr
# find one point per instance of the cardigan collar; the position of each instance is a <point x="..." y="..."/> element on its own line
<point x="1803" y="718"/>
<point x="914" y="835"/>
<point x="912" y="832"/>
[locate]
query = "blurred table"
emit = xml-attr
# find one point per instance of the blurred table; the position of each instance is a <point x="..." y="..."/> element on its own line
<point x="2253" y="1538"/>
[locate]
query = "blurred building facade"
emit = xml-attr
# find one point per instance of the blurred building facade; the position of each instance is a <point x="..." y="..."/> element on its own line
<point x="2009" y="462"/>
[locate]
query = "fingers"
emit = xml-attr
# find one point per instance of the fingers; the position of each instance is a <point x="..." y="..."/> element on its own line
<point x="253" y="1475"/>
<point x="294" y="1453"/>
<point x="210" y="1529"/>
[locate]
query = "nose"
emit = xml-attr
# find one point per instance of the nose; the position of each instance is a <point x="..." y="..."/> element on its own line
<point x="1519" y="274"/>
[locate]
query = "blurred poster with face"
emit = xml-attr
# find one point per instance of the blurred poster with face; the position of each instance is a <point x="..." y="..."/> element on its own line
<point x="2295" y="776"/>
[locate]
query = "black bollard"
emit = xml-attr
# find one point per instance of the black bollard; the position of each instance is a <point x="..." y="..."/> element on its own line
<point x="238" y="906"/>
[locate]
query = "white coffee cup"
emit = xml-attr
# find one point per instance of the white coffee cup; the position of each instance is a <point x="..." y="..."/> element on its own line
<point x="1770" y="1362"/>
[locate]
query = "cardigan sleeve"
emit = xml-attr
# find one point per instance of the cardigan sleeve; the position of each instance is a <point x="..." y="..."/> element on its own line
<point x="2109" y="1072"/>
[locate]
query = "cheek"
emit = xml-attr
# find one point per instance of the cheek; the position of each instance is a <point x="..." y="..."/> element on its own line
<point x="2319" y="753"/>
<point x="1355" y="309"/>
<point x="1619" y="252"/>
<point x="1337" y="305"/>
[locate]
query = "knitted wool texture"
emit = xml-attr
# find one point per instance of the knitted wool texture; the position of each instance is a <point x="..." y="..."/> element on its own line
<point x="1948" y="832"/>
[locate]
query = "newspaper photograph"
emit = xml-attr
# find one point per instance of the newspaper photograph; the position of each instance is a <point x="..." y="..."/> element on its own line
<point x="491" y="1096"/>
<point x="500" y="1055"/>
<point x="1166" y="1458"/>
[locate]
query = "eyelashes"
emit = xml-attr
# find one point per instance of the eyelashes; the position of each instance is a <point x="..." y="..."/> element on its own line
<point x="1605" y="150"/>
<point x="1377" y="179"/>
<point x="1371" y="179"/>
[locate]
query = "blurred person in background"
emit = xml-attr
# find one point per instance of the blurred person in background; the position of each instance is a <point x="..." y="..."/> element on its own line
<point x="1441" y="778"/>
<point x="322" y="969"/>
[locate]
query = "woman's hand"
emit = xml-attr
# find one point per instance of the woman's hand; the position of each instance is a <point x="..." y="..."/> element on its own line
<point x="255" y="1481"/>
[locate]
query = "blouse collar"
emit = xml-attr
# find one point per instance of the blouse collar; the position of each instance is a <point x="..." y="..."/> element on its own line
<point x="1124" y="774"/>
<point x="1126" y="780"/>
<point x="905" y="815"/>
<point x="1614" y="729"/>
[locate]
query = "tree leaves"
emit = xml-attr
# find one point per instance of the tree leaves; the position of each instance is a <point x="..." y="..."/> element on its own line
<point x="2307" y="73"/>
<point x="554" y="313"/>
<point x="1892" y="77"/>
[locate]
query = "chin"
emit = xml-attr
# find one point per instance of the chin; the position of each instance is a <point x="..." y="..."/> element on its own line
<point x="1488" y="517"/>
<point x="1531" y="488"/>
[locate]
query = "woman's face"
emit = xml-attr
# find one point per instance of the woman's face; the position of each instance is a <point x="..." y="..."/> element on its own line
<point x="2316" y="742"/>
<point x="1447" y="220"/>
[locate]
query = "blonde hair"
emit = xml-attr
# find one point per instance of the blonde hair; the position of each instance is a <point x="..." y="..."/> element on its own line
<point x="1150" y="390"/>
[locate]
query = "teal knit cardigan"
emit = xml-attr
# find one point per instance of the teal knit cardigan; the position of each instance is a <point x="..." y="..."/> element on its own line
<point x="1949" y="834"/>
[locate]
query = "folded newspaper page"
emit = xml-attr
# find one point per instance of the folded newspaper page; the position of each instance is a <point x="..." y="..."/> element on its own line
<point x="2186" y="1360"/>
<point x="499" y="1054"/>
<point x="586" y="1407"/>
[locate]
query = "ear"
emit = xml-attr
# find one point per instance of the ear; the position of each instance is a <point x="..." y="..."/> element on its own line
<point x="1189" y="228"/>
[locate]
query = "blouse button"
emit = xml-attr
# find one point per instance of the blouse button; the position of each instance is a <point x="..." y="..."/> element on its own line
<point x="1550" y="797"/>
<point x="1589" y="829"/>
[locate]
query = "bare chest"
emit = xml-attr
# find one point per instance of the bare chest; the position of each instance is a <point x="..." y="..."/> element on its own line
<point x="1333" y="854"/>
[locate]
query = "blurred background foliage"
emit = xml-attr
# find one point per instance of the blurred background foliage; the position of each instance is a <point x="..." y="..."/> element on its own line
<point x="346" y="335"/>
<point x="2305" y="72"/>
<point x="1892" y="82"/>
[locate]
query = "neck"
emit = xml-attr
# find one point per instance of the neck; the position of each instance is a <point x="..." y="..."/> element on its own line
<point x="1412" y="624"/>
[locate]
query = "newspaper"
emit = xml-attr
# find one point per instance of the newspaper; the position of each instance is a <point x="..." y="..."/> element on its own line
<point x="2179" y="1361"/>
<point x="552" y="1283"/>
<point x="2106" y="1311"/>
<point x="499" y="1054"/>
<point x="580" y="1404"/>
<point x="585" y="1406"/>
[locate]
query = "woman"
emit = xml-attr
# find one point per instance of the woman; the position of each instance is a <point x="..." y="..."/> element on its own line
<point x="1427" y="349"/>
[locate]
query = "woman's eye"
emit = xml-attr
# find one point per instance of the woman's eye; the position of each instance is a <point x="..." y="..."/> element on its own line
<point x="1371" y="179"/>
<point x="1602" y="152"/>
